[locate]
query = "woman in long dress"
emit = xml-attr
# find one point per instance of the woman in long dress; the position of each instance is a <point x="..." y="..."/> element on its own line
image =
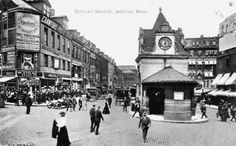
<point x="106" y="108"/>
<point x="63" y="138"/>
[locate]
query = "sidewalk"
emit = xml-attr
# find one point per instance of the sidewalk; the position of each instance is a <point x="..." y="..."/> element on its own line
<point x="34" y="104"/>
<point x="160" y="118"/>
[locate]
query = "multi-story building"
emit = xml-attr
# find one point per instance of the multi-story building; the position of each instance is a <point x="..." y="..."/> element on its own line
<point x="111" y="73"/>
<point x="38" y="49"/>
<point x="225" y="80"/>
<point x="202" y="59"/>
<point x="129" y="74"/>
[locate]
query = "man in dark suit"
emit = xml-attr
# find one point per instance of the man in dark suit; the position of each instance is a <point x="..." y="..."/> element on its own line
<point x="92" y="118"/>
<point x="144" y="123"/>
<point x="98" y="117"/>
<point x="28" y="103"/>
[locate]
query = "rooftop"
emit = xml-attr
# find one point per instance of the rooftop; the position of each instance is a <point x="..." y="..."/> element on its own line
<point x="168" y="75"/>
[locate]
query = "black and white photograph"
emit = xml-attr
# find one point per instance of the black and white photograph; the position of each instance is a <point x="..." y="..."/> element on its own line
<point x="117" y="73"/>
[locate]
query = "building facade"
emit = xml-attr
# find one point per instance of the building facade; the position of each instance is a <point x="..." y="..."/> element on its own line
<point x="159" y="47"/>
<point x="129" y="75"/>
<point x="202" y="61"/>
<point x="38" y="49"/>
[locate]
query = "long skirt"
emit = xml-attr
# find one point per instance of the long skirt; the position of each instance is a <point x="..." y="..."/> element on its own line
<point x="63" y="138"/>
<point x="106" y="110"/>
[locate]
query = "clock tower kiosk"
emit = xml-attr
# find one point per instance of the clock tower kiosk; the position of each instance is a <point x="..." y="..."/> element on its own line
<point x="159" y="47"/>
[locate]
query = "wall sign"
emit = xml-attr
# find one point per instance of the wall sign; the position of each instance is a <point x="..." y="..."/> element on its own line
<point x="27" y="32"/>
<point x="7" y="49"/>
<point x="178" y="95"/>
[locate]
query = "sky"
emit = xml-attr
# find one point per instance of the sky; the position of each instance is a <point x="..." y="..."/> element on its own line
<point x="113" y="25"/>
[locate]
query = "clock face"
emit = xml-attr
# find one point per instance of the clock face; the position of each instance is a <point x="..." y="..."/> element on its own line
<point x="165" y="43"/>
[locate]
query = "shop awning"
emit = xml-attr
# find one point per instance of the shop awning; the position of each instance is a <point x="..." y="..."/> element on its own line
<point x="223" y="79"/>
<point x="218" y="77"/>
<point x="68" y="79"/>
<point x="231" y="80"/>
<point x="231" y="94"/>
<point x="215" y="92"/>
<point x="223" y="93"/>
<point x="77" y="79"/>
<point x="5" y="79"/>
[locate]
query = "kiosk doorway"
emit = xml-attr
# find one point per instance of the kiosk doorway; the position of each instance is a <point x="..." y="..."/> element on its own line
<point x="156" y="100"/>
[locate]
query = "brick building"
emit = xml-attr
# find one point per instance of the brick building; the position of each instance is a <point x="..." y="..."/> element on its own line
<point x="202" y="62"/>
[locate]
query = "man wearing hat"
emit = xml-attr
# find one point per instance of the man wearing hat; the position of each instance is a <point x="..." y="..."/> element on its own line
<point x="98" y="117"/>
<point x="144" y="123"/>
<point x="92" y="118"/>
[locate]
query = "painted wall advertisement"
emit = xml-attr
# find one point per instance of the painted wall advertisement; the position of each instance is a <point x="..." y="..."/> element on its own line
<point x="227" y="33"/>
<point x="27" y="32"/>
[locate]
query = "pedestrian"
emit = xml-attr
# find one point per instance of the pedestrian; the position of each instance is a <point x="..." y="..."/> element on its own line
<point x="137" y="107"/>
<point x="63" y="138"/>
<point x="125" y="104"/>
<point x="203" y="110"/>
<point x="80" y="103"/>
<point x="84" y="101"/>
<point x="224" y="112"/>
<point x="28" y="103"/>
<point x="92" y="118"/>
<point x="109" y="100"/>
<point x="232" y="112"/>
<point x="69" y="103"/>
<point x="106" y="107"/>
<point x="145" y="124"/>
<point x="74" y="102"/>
<point x="98" y="117"/>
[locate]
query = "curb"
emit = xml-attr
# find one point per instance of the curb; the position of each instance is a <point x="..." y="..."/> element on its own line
<point x="194" y="121"/>
<point x="38" y="105"/>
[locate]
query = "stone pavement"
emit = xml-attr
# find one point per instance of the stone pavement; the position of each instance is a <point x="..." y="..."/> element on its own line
<point x="118" y="129"/>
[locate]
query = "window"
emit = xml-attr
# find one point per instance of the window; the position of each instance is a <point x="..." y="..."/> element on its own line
<point x="63" y="64"/>
<point x="206" y="52"/>
<point x="64" y="45"/>
<point x="11" y="37"/>
<point x="4" y="59"/>
<point x="68" y="47"/>
<point x="11" y="20"/>
<point x="52" y="60"/>
<point x="53" y="39"/>
<point x="46" y="10"/>
<point x="197" y="43"/>
<point x="199" y="52"/>
<point x="45" y="60"/>
<point x="68" y="66"/>
<point x="58" y="42"/>
<point x="79" y="54"/>
<point x="207" y="43"/>
<point x="193" y="43"/>
<point x="214" y="43"/>
<point x="215" y="52"/>
<point x="45" y="36"/>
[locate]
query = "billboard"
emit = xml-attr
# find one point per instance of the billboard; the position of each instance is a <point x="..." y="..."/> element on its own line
<point x="227" y="33"/>
<point x="27" y="32"/>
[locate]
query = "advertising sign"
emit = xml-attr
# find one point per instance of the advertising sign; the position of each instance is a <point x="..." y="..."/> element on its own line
<point x="227" y="33"/>
<point x="27" y="63"/>
<point x="11" y="57"/>
<point x="27" y="32"/>
<point x="178" y="95"/>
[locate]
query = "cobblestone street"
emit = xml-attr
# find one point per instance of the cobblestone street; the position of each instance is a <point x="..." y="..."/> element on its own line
<point x="119" y="128"/>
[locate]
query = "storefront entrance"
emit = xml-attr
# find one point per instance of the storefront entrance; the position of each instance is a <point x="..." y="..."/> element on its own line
<point x="156" y="100"/>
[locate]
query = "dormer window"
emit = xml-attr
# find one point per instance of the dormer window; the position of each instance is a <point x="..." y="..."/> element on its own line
<point x="46" y="10"/>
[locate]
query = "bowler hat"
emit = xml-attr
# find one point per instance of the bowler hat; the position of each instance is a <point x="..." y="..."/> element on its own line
<point x="62" y="113"/>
